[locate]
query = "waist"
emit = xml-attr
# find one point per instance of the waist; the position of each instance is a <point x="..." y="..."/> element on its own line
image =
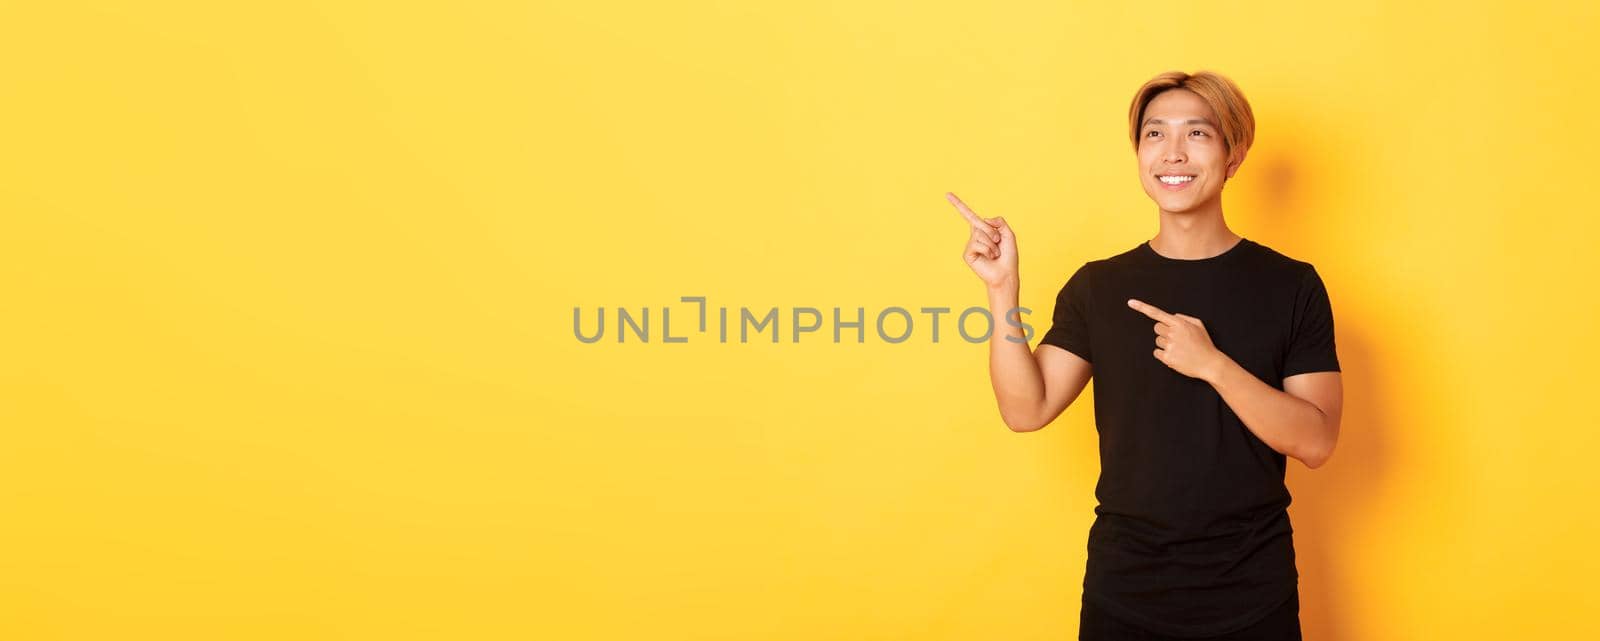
<point x="1227" y="536"/>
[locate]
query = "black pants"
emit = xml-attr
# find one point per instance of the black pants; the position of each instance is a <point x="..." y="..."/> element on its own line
<point x="1282" y="624"/>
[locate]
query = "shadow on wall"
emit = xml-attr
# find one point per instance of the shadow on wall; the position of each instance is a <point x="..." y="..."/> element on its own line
<point x="1279" y="212"/>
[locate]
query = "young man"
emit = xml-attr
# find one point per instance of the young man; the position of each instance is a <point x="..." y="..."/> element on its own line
<point x="1213" y="358"/>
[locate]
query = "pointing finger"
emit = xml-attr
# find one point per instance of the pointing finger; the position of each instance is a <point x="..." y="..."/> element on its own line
<point x="967" y="212"/>
<point x="1151" y="310"/>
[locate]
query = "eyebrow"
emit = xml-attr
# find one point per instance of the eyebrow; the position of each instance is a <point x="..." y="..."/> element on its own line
<point x="1191" y="121"/>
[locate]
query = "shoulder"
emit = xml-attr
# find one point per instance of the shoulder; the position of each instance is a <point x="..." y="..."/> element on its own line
<point x="1077" y="284"/>
<point x="1079" y="279"/>
<point x="1086" y="270"/>
<point x="1280" y="267"/>
<point x="1126" y="257"/>
<point x="1268" y="256"/>
<point x="1290" y="279"/>
<point x="1093" y="266"/>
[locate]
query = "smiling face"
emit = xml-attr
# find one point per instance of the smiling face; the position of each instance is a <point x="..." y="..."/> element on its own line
<point x="1183" y="160"/>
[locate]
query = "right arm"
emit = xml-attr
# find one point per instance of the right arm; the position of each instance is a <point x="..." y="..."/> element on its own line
<point x="1032" y="388"/>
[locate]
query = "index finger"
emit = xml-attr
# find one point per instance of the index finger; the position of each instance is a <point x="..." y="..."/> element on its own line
<point x="1152" y="311"/>
<point x="967" y="213"/>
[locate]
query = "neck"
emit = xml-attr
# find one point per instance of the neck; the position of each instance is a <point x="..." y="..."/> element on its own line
<point x="1195" y="233"/>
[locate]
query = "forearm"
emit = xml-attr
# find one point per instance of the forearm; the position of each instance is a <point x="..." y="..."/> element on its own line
<point x="1288" y="424"/>
<point x="1018" y="384"/>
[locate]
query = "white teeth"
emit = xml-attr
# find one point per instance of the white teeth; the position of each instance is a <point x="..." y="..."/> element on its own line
<point x="1175" y="180"/>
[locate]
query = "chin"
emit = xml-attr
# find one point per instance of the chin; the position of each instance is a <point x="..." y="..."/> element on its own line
<point x="1179" y="205"/>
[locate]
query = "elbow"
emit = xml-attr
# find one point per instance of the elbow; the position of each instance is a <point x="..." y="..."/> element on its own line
<point x="1318" y="457"/>
<point x="1322" y="448"/>
<point x="1022" y="423"/>
<point x="1030" y="418"/>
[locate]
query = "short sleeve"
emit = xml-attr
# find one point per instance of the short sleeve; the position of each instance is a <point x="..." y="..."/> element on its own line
<point x="1311" y="344"/>
<point x="1069" y="328"/>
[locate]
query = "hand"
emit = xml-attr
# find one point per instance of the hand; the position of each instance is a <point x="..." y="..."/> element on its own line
<point x="1182" y="342"/>
<point x="991" y="251"/>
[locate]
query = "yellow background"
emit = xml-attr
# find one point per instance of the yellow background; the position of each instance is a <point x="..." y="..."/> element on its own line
<point x="288" y="347"/>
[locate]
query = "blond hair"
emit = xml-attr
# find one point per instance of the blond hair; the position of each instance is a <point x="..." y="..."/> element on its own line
<point x="1238" y="124"/>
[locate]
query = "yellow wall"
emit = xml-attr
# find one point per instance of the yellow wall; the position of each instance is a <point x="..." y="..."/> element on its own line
<point x="288" y="293"/>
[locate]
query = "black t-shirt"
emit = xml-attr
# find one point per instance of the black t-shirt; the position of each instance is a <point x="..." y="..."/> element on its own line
<point x="1192" y="534"/>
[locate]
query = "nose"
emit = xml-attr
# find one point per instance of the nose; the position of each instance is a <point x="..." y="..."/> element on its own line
<point x="1172" y="152"/>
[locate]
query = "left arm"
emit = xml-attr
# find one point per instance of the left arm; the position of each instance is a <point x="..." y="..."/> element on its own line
<point x="1301" y="421"/>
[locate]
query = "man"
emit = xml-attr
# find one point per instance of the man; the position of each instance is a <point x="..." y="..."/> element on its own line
<point x="1214" y="361"/>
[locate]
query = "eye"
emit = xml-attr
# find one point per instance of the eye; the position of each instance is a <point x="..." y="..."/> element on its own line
<point x="1197" y="131"/>
<point x="1152" y="132"/>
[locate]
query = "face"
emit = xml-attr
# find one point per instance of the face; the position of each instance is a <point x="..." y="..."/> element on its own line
<point x="1179" y="138"/>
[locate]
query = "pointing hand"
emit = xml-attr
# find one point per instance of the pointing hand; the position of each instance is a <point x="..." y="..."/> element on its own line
<point x="991" y="249"/>
<point x="1182" y="342"/>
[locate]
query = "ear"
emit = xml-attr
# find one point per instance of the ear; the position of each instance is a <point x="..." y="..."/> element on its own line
<point x="1233" y="165"/>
